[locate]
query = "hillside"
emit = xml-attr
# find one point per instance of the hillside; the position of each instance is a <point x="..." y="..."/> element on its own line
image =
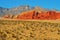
<point x="2" y="11"/>
<point x="18" y="10"/>
<point x="35" y="14"/>
<point x="27" y="12"/>
<point x="13" y="11"/>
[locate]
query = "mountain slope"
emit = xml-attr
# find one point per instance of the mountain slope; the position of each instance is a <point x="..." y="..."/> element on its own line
<point x="33" y="14"/>
<point x="17" y="10"/>
<point x="3" y="10"/>
<point x="20" y="9"/>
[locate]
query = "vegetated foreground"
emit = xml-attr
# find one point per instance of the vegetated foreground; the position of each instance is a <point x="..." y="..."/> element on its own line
<point x="29" y="30"/>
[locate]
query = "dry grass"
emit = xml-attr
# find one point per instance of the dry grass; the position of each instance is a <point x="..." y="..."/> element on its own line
<point x="29" y="29"/>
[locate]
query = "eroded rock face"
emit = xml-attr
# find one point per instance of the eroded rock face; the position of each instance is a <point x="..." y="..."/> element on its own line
<point x="33" y="14"/>
<point x="37" y="13"/>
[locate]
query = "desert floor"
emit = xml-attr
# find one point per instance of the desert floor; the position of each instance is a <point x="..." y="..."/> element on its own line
<point x="29" y="29"/>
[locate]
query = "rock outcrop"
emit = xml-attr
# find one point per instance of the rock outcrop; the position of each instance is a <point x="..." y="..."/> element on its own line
<point x="33" y="14"/>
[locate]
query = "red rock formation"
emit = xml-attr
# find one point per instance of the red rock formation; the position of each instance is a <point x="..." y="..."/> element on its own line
<point x="49" y="15"/>
<point x="26" y="15"/>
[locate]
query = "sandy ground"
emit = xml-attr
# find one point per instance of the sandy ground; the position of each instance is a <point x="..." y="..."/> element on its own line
<point x="13" y="29"/>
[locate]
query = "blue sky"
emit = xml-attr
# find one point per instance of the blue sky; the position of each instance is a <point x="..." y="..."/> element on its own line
<point x="50" y="4"/>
